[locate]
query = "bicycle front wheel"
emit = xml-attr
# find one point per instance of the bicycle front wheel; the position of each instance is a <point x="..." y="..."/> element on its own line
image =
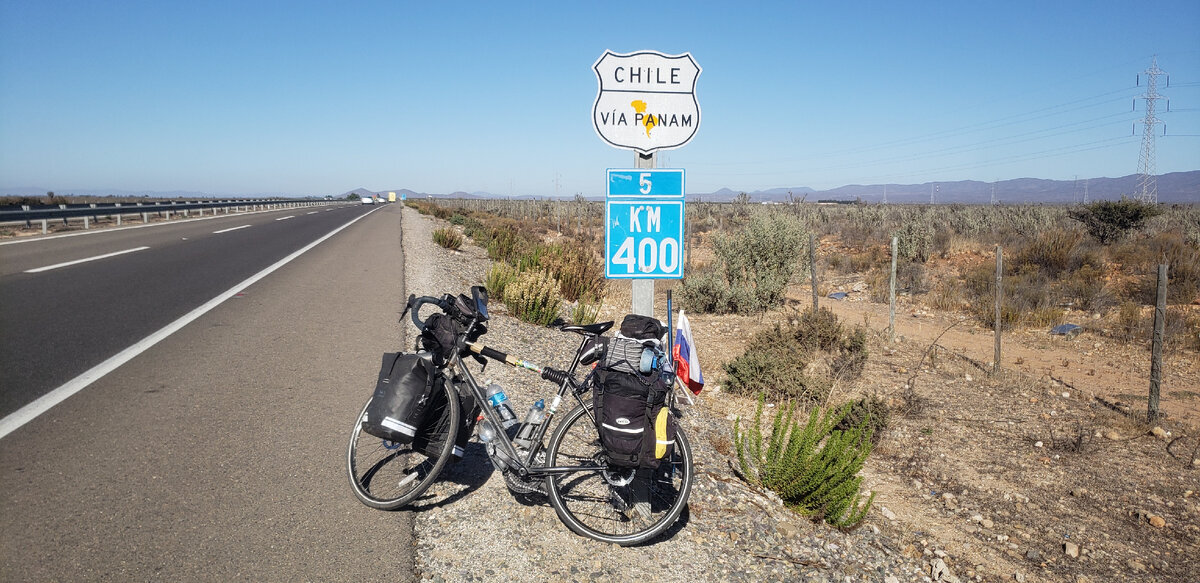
<point x="615" y="505"/>
<point x="387" y="475"/>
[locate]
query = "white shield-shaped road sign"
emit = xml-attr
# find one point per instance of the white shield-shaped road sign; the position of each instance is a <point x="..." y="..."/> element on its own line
<point x="647" y="100"/>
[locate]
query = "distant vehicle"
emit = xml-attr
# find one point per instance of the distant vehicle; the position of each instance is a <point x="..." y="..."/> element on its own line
<point x="368" y="200"/>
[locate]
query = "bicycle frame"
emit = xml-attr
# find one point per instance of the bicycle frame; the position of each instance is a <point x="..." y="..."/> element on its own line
<point x="525" y="462"/>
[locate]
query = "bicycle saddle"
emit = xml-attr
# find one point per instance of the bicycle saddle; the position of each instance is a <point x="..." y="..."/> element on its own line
<point x="590" y="330"/>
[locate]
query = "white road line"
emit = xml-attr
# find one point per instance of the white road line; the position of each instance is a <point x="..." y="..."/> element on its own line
<point x="42" y="404"/>
<point x="116" y="229"/>
<point x="286" y="218"/>
<point x="230" y="229"/>
<point x="312" y="212"/>
<point x="85" y="260"/>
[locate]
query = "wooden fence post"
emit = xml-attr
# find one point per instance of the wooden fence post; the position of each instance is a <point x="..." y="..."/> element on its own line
<point x="999" y="302"/>
<point x="812" y="263"/>
<point x="1160" y="317"/>
<point x="892" y="296"/>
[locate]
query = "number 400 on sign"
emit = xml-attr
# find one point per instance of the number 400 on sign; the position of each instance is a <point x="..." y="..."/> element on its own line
<point x="644" y="239"/>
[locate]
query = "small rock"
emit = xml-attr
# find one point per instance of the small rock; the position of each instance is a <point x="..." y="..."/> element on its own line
<point x="1033" y="555"/>
<point x="888" y="514"/>
<point x="976" y="517"/>
<point x="1135" y="565"/>
<point x="891" y="579"/>
<point x="1071" y="549"/>
<point x="968" y="378"/>
<point x="1160" y="433"/>
<point x="986" y="523"/>
<point x="1081" y="578"/>
<point x="1037" y="444"/>
<point x="1157" y="521"/>
<point x="937" y="569"/>
<point x="1066" y="394"/>
<point x="1112" y="435"/>
<point x="1079" y="492"/>
<point x="1019" y="577"/>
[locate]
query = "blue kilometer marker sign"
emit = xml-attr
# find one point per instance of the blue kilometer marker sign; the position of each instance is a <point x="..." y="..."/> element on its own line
<point x="643" y="214"/>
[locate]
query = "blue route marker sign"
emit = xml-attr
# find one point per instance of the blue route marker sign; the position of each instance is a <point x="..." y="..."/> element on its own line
<point x="643" y="216"/>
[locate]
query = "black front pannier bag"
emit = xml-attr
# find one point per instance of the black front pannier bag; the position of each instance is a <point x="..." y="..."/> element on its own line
<point x="432" y="434"/>
<point x="402" y="396"/>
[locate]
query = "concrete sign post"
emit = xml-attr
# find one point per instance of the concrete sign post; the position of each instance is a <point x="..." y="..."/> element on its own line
<point x="646" y="102"/>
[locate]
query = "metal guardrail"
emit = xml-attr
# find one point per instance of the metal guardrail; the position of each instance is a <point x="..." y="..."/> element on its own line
<point x="94" y="211"/>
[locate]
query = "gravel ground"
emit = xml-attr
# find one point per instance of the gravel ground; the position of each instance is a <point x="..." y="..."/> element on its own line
<point x="473" y="528"/>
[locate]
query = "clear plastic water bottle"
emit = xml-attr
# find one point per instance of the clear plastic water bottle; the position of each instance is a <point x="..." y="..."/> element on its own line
<point x="486" y="432"/>
<point x="499" y="402"/>
<point x="533" y="418"/>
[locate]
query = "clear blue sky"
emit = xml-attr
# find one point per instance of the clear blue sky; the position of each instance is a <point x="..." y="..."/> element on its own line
<point x="303" y="98"/>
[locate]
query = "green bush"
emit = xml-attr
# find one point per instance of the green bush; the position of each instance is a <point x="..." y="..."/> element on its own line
<point x="914" y="241"/>
<point x="533" y="297"/>
<point x="1183" y="270"/>
<point x="448" y="238"/>
<point x="578" y="269"/>
<point x="814" y="468"/>
<point x="785" y="361"/>
<point x="585" y="311"/>
<point x="752" y="267"/>
<point x="1110" y="221"/>
<point x="498" y="278"/>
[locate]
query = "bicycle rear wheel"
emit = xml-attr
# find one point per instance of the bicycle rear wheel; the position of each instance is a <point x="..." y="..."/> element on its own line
<point x="620" y="506"/>
<point x="387" y="475"/>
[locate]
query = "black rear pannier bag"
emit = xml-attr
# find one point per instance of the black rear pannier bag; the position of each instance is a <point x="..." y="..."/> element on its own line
<point x="432" y="434"/>
<point x="402" y="395"/>
<point x="637" y="428"/>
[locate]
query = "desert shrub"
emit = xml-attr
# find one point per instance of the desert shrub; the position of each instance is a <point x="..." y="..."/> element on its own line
<point x="577" y="268"/>
<point x="585" y="311"/>
<point x="1108" y="220"/>
<point x="752" y="267"/>
<point x="707" y="291"/>
<point x="1087" y="289"/>
<point x="1130" y="324"/>
<point x="457" y="219"/>
<point x="813" y="467"/>
<point x="533" y="297"/>
<point x="914" y="241"/>
<point x="1183" y="270"/>
<point x="799" y="359"/>
<point x="1027" y="299"/>
<point x="773" y="364"/>
<point x="448" y="238"/>
<point x="498" y="277"/>
<point x="1054" y="252"/>
<point x="871" y="412"/>
<point x="1181" y="330"/>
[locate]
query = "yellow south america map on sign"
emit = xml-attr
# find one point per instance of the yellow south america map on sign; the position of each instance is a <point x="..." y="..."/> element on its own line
<point x="648" y="121"/>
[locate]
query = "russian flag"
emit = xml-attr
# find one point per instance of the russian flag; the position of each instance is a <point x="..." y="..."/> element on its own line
<point x="687" y="363"/>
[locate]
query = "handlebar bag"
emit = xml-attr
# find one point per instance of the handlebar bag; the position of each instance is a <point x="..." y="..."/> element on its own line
<point x="402" y="396"/>
<point x="440" y="337"/>
<point x="637" y="427"/>
<point x="432" y="434"/>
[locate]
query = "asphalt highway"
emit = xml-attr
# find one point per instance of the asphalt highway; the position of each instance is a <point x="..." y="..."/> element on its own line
<point x="218" y="453"/>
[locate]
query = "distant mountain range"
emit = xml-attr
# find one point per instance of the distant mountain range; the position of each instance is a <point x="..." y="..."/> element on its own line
<point x="1175" y="187"/>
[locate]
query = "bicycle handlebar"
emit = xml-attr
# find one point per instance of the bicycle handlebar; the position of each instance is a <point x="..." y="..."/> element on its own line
<point x="415" y="303"/>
